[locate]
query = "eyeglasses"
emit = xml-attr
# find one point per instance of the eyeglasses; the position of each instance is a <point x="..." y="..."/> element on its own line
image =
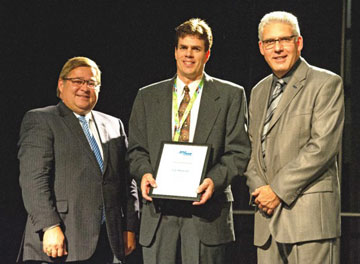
<point x="77" y="82"/>
<point x="270" y="43"/>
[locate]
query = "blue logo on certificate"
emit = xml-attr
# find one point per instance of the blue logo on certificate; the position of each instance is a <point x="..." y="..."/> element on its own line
<point x="185" y="153"/>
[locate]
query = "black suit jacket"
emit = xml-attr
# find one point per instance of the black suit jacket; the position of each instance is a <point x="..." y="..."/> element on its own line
<point x="62" y="183"/>
<point x="221" y="122"/>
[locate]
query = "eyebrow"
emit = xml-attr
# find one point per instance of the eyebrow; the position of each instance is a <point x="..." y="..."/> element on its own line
<point x="195" y="46"/>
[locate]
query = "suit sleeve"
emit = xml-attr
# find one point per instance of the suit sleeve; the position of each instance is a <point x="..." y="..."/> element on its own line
<point x="139" y="156"/>
<point x="253" y="179"/>
<point x="36" y="157"/>
<point x="323" y="145"/>
<point x="236" y="152"/>
<point x="132" y="199"/>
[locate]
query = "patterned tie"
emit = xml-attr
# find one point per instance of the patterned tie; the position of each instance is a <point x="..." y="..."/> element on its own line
<point x="274" y="101"/>
<point x="184" y="132"/>
<point x="95" y="148"/>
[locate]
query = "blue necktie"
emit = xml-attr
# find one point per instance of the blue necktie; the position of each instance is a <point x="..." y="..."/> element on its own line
<point x="91" y="139"/>
<point x="95" y="148"/>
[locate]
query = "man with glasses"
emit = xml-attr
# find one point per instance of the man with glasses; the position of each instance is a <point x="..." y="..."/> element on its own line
<point x="80" y="201"/>
<point x="296" y="123"/>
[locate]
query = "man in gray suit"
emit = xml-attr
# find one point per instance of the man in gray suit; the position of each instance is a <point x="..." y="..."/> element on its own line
<point x="296" y="123"/>
<point x="202" y="229"/>
<point x="74" y="176"/>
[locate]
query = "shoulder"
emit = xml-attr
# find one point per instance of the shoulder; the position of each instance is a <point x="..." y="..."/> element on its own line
<point x="224" y="86"/>
<point x="262" y="83"/>
<point x="156" y="87"/>
<point x="321" y="74"/>
<point x="43" y="112"/>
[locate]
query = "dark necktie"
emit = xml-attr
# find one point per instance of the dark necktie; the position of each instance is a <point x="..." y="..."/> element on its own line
<point x="185" y="129"/>
<point x="274" y="101"/>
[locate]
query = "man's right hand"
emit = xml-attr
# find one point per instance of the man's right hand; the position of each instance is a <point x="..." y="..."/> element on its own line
<point x="147" y="181"/>
<point x="54" y="242"/>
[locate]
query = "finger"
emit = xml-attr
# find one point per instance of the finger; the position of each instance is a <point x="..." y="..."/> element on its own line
<point x="202" y="201"/>
<point x="152" y="182"/>
<point x="256" y="192"/>
<point x="60" y="252"/>
<point x="54" y="253"/>
<point x="202" y="187"/>
<point x="204" y="197"/>
<point x="145" y="194"/>
<point x="270" y="212"/>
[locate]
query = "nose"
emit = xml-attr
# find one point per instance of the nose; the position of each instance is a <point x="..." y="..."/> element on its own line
<point x="189" y="52"/>
<point x="278" y="46"/>
<point x="84" y="87"/>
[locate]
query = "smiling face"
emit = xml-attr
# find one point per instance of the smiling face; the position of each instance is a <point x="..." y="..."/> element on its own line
<point x="81" y="99"/>
<point x="191" y="57"/>
<point x="282" y="57"/>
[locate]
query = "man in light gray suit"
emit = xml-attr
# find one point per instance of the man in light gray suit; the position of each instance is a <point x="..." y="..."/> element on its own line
<point x="74" y="176"/>
<point x="218" y="116"/>
<point x="296" y="123"/>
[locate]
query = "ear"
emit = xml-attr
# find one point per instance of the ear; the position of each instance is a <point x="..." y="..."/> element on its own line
<point x="261" y="48"/>
<point x="207" y="56"/>
<point x="300" y="43"/>
<point x="60" y="86"/>
<point x="175" y="53"/>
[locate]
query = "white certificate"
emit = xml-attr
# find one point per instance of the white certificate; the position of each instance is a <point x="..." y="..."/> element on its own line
<point x="180" y="171"/>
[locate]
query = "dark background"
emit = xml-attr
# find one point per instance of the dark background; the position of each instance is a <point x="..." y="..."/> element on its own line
<point x="133" y="42"/>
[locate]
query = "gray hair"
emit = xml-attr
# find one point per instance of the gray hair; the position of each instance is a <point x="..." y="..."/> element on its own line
<point x="282" y="17"/>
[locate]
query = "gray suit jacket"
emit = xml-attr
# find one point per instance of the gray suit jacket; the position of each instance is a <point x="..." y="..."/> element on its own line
<point x="62" y="183"/>
<point x="221" y="122"/>
<point x="301" y="167"/>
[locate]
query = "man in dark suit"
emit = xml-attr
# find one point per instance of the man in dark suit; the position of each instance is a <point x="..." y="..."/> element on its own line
<point x="296" y="123"/>
<point x="218" y="117"/>
<point x="74" y="176"/>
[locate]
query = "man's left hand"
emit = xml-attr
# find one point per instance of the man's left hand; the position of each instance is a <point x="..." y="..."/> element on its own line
<point x="266" y="199"/>
<point x="129" y="242"/>
<point x="207" y="188"/>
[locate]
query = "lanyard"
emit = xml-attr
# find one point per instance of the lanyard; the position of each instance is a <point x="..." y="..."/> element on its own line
<point x="179" y="123"/>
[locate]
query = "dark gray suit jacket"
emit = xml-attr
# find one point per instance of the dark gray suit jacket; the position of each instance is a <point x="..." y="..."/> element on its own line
<point x="62" y="183"/>
<point x="221" y="122"/>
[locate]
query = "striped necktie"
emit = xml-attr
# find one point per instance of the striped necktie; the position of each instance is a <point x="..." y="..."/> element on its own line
<point x="94" y="146"/>
<point x="274" y="101"/>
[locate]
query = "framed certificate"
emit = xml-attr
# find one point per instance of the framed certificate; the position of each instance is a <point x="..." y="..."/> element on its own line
<point x="180" y="170"/>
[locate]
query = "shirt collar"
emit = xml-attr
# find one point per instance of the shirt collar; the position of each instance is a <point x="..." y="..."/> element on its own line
<point x="88" y="116"/>
<point x="192" y="86"/>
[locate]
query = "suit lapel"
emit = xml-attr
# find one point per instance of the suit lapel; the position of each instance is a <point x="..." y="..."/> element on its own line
<point x="262" y="102"/>
<point x="75" y="128"/>
<point x="292" y="88"/>
<point x="164" y="110"/>
<point x="208" y="110"/>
